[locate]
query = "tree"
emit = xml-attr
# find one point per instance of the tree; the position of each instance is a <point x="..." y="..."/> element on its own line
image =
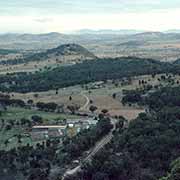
<point x="3" y="123"/>
<point x="8" y="127"/>
<point x="36" y="95"/>
<point x="114" y="95"/>
<point x="73" y="108"/>
<point x="104" y="111"/>
<point x="19" y="136"/>
<point x="40" y="105"/>
<point x="30" y="101"/>
<point x="93" y="108"/>
<point x="57" y="91"/>
<point x="6" y="142"/>
<point x="51" y="106"/>
<point x="37" y="119"/>
<point x="70" y="98"/>
<point x="120" y="123"/>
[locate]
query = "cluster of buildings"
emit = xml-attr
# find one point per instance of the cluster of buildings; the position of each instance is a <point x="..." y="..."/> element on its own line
<point x="70" y="129"/>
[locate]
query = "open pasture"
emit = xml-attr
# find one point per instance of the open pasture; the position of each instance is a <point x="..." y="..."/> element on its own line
<point x="101" y="97"/>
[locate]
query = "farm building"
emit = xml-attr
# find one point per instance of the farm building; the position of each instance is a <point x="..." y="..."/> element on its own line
<point x="71" y="128"/>
<point x="44" y="132"/>
<point x="96" y="85"/>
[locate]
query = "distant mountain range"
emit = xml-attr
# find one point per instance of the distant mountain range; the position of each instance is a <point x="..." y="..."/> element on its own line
<point x="121" y="31"/>
<point x="172" y="31"/>
<point x="109" y="31"/>
<point x="84" y="35"/>
<point x="102" y="43"/>
<point x="33" y="37"/>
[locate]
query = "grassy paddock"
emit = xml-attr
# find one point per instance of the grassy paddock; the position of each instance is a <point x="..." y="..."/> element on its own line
<point x="16" y="113"/>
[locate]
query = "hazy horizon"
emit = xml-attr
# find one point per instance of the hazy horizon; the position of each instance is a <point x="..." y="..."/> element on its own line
<point x="95" y="31"/>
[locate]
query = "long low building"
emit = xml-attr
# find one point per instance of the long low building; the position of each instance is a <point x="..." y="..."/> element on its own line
<point x="71" y="128"/>
<point x="48" y="131"/>
<point x="49" y="127"/>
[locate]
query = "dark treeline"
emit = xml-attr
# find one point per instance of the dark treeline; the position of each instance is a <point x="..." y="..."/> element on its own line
<point x="30" y="58"/>
<point x="145" y="149"/>
<point x="12" y="62"/>
<point x="88" y="71"/>
<point x="5" y="100"/>
<point x="164" y="97"/>
<point x="7" y="51"/>
<point x="46" y="106"/>
<point x="133" y="96"/>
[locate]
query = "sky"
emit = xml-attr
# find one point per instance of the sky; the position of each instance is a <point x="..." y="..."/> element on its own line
<point x="65" y="16"/>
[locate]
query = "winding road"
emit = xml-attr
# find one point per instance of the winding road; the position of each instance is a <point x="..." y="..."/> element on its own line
<point x="86" y="104"/>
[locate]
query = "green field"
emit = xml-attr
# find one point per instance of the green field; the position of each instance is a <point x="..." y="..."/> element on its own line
<point x="16" y="114"/>
<point x="11" y="137"/>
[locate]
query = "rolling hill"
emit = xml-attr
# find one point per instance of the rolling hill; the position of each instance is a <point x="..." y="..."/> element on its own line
<point x="177" y="62"/>
<point x="155" y="36"/>
<point x="164" y="46"/>
<point x="82" y="73"/>
<point x="66" y="53"/>
<point x="63" y="53"/>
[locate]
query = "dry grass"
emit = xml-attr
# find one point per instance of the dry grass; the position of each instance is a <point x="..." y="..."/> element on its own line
<point x="32" y="66"/>
<point x="50" y="96"/>
<point x="114" y="106"/>
<point x="102" y="98"/>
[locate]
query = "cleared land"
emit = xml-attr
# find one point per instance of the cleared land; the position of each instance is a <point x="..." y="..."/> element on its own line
<point x="84" y="97"/>
<point x="102" y="97"/>
<point x="62" y="98"/>
<point x="15" y="114"/>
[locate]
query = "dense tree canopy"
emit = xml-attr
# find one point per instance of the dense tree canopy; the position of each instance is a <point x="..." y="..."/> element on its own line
<point x="174" y="172"/>
<point x="88" y="71"/>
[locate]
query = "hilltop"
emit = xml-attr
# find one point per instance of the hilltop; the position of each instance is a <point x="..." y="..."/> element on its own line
<point x="71" y="49"/>
<point x="67" y="53"/>
<point x="62" y="54"/>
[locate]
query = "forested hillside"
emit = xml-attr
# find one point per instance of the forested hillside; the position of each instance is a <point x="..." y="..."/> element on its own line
<point x="88" y="71"/>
